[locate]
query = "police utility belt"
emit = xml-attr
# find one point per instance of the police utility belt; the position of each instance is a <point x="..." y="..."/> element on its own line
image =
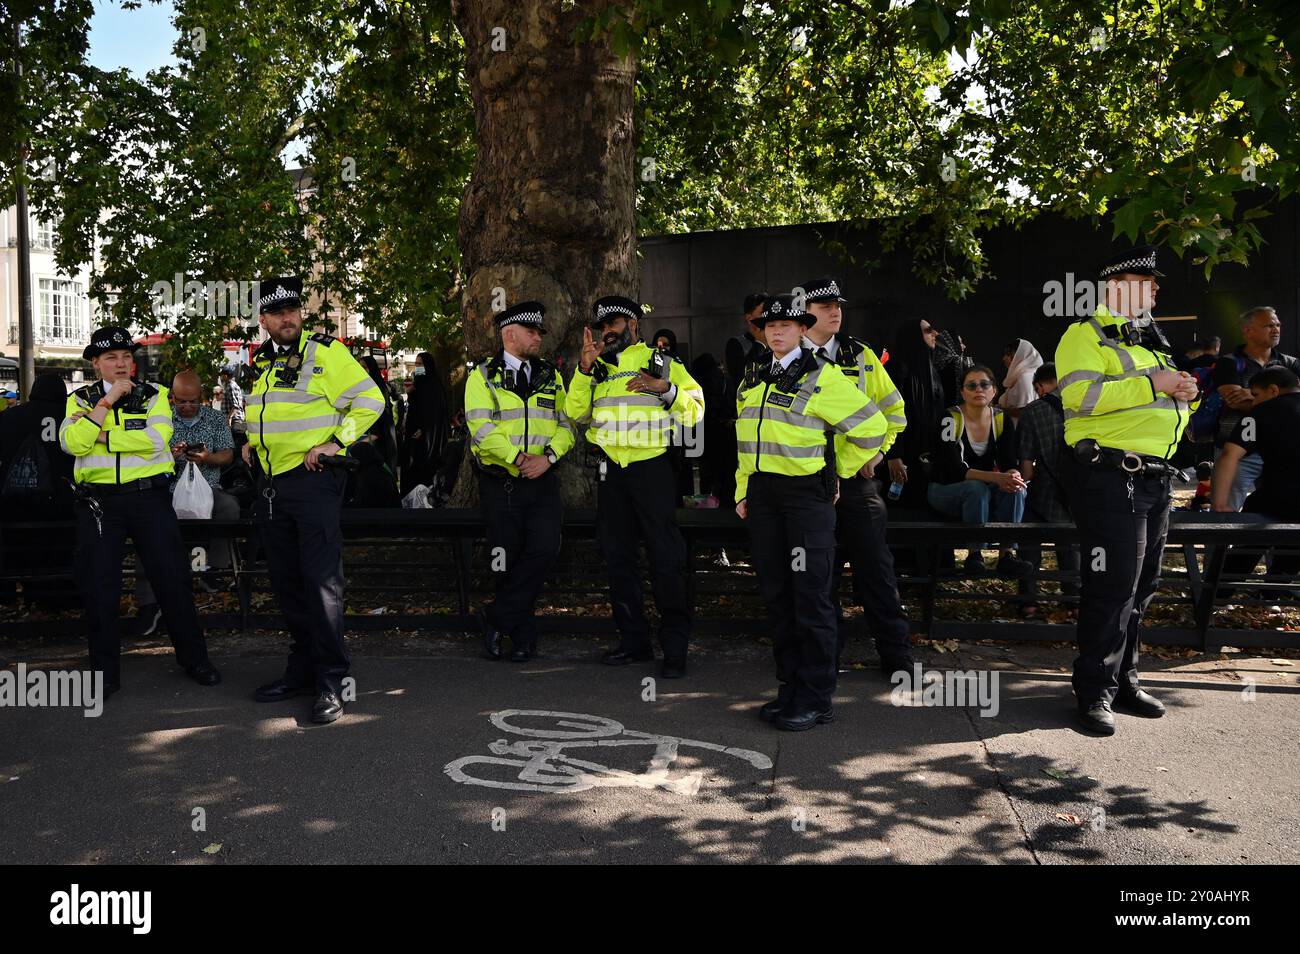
<point x="129" y="487"/>
<point x="1091" y="454"/>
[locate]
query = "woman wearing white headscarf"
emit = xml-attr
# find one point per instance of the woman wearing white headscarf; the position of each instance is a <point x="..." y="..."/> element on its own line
<point x="1021" y="360"/>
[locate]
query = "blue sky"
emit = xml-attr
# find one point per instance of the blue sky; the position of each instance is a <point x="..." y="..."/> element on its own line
<point x="140" y="40"/>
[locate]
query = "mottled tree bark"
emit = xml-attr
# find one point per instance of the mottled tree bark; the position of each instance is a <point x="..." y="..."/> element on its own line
<point x="549" y="210"/>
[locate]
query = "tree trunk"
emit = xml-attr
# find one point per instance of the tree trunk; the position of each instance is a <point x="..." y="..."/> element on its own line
<point x="549" y="212"/>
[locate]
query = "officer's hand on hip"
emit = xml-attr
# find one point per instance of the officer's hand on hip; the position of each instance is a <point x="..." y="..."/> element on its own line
<point x="869" y="468"/>
<point x="120" y="389"/>
<point x="742" y="510"/>
<point x="328" y="449"/>
<point x="836" y="498"/>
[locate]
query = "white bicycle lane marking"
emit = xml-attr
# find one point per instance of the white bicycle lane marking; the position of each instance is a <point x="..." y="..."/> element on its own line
<point x="546" y="766"/>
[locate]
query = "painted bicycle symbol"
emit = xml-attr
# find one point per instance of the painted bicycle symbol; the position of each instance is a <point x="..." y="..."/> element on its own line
<point x="552" y="763"/>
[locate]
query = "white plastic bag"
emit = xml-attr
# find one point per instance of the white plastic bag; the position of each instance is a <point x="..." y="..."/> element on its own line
<point x="192" y="497"/>
<point x="418" y="498"/>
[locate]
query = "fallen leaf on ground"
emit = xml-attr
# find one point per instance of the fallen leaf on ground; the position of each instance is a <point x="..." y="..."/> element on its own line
<point x="1056" y="773"/>
<point x="213" y="848"/>
<point x="1072" y="819"/>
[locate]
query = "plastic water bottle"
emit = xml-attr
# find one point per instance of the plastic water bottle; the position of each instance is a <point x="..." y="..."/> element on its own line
<point x="895" y="490"/>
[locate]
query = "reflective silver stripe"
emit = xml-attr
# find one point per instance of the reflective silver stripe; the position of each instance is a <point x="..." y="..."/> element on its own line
<point x="780" y="450"/>
<point x="369" y="403"/>
<point x="866" y="443"/>
<point x="890" y="399"/>
<point x="807" y="389"/>
<point x="281" y="397"/>
<point x="159" y="419"/>
<point x="128" y="460"/>
<point x="302" y="424"/>
<point x="628" y="400"/>
<point x="1090" y="398"/>
<point x="1161" y="404"/>
<point x="768" y="412"/>
<point x="1125" y="359"/>
<point x="358" y="389"/>
<point x="473" y="412"/>
<point x="637" y="424"/>
<point x="308" y="367"/>
<point x="508" y="414"/>
<point x="860" y="416"/>
<point x="895" y="419"/>
<point x="481" y="434"/>
<point x="1074" y="377"/>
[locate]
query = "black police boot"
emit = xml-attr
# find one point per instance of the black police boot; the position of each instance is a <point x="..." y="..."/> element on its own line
<point x="1013" y="568"/>
<point x="205" y="674"/>
<point x="1097" y="717"/>
<point x="770" y="710"/>
<point x="522" y="650"/>
<point x="1140" y="702"/>
<point x="491" y="636"/>
<point x="328" y="708"/>
<point x="621" y="657"/>
<point x="800" y="718"/>
<point x="891" y="663"/>
<point x="673" y="668"/>
<point x="282" y="689"/>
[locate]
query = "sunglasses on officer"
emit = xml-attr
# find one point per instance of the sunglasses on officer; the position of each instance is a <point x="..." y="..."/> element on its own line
<point x="977" y="385"/>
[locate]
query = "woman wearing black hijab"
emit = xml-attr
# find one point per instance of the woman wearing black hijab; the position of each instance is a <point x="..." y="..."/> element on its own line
<point x="916" y="374"/>
<point x="426" y="423"/>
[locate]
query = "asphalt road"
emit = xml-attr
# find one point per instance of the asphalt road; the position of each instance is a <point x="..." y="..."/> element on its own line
<point x="419" y="771"/>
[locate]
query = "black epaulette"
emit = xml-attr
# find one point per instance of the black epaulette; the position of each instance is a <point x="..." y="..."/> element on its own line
<point x="85" y="396"/>
<point x="850" y="348"/>
<point x="321" y="338"/>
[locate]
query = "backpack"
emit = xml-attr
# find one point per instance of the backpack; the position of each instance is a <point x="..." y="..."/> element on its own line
<point x="29" y="474"/>
<point x="1204" y="425"/>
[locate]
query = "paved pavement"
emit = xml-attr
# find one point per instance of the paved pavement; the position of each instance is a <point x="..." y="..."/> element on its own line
<point x="429" y="765"/>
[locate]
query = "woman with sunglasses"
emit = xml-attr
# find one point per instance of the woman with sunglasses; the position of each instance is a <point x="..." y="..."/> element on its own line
<point x="975" y="475"/>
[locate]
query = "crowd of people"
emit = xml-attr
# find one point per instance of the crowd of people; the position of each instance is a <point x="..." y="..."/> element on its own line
<point x="801" y="426"/>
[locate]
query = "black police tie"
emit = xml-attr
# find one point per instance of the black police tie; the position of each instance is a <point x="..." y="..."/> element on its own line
<point x="821" y="353"/>
<point x="521" y="382"/>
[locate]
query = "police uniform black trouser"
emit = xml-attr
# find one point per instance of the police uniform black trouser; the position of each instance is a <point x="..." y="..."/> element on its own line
<point x="1122" y="541"/>
<point x="147" y="517"/>
<point x="861" y="520"/>
<point x="792" y="539"/>
<point x="304" y="551"/>
<point x="640" y="500"/>
<point x="523" y="531"/>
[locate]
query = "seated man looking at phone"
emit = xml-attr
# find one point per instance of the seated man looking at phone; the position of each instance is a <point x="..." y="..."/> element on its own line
<point x="200" y="436"/>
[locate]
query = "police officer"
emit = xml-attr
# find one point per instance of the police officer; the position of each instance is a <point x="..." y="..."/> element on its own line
<point x="514" y="407"/>
<point x="634" y="400"/>
<point x="1126" y="406"/>
<point x="786" y="492"/>
<point x="119" y="431"/>
<point x="861" y="518"/>
<point x="310" y="401"/>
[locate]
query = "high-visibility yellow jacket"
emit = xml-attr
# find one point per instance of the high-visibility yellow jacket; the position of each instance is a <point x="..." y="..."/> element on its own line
<point x="501" y="423"/>
<point x="1107" y="392"/>
<point x="138" y="441"/>
<point x="328" y="397"/>
<point x="628" y="426"/>
<point x="783" y="430"/>
<point x="862" y="366"/>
